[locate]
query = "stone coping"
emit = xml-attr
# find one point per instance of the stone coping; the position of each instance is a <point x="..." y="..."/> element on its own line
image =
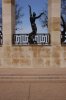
<point x="33" y="74"/>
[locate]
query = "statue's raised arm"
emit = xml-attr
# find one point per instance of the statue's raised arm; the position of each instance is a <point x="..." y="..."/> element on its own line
<point x="30" y="11"/>
<point x="39" y="15"/>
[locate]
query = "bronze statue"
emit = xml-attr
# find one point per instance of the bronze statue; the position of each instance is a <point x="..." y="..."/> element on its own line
<point x="33" y="18"/>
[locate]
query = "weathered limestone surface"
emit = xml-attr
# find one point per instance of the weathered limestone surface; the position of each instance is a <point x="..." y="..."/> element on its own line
<point x="32" y="56"/>
<point x="32" y="72"/>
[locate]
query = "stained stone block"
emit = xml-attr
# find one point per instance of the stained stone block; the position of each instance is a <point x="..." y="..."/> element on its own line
<point x="15" y="61"/>
<point x="24" y="61"/>
<point x="56" y="51"/>
<point x="47" y="62"/>
<point x="0" y="62"/>
<point x="64" y="48"/>
<point x="9" y="1"/>
<point x="6" y="62"/>
<point x="7" y="53"/>
<point x="54" y="21"/>
<point x="45" y="52"/>
<point x="56" y="24"/>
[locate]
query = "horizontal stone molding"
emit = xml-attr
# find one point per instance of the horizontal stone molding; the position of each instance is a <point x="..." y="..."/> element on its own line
<point x="33" y="75"/>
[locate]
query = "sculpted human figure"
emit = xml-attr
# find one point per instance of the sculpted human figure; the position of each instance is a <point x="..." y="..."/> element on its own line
<point x="64" y="29"/>
<point x="33" y="18"/>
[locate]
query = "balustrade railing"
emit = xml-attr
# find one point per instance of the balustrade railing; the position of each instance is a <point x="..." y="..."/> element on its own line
<point x="23" y="39"/>
<point x="63" y="39"/>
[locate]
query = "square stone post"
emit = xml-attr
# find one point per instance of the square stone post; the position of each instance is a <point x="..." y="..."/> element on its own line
<point x="8" y="12"/>
<point x="54" y="11"/>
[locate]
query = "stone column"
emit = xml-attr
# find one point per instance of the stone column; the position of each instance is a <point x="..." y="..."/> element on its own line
<point x="54" y="10"/>
<point x="8" y="18"/>
<point x="8" y="11"/>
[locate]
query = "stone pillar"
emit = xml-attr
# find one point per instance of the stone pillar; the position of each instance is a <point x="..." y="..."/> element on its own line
<point x="8" y="11"/>
<point x="54" y="10"/>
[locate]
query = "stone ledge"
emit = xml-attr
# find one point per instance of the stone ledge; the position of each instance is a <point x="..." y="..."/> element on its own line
<point x="33" y="75"/>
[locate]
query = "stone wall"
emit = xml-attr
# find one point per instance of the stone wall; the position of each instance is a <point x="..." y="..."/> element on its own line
<point x="50" y="56"/>
<point x="32" y="72"/>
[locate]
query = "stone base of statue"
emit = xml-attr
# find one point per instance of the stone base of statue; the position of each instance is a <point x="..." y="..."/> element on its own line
<point x="31" y="38"/>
